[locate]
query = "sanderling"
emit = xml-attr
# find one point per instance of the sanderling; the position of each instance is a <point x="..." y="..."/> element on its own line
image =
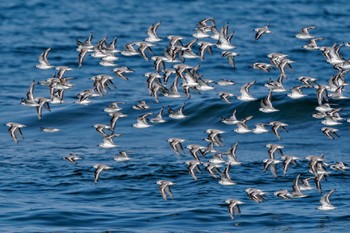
<point x="305" y="184"/>
<point x="230" y="57"/>
<point x="262" y="66"/>
<point x="326" y="205"/>
<point x="284" y="194"/>
<point x="245" y="94"/>
<point x="30" y="101"/>
<point x="142" y="105"/>
<point x="295" y="92"/>
<point x="141" y="121"/>
<point x="296" y="189"/>
<point x="152" y="33"/>
<point x="115" y="116"/>
<point x="130" y="50"/>
<point x="277" y="125"/>
<point x="242" y="127"/>
<point x="122" y="156"/>
<point x="318" y="178"/>
<point x="113" y="107"/>
<point x="339" y="166"/>
<point x="108" y="141"/>
<point x="312" y="45"/>
<point x="42" y="102"/>
<point x="195" y="150"/>
<point x="177" y="114"/>
<point x="224" y="41"/>
<point x="176" y="145"/>
<point x="217" y="159"/>
<point x="15" y="127"/>
<point x="266" y="104"/>
<point x="100" y="128"/>
<point x="225" y="96"/>
<point x="304" y="33"/>
<point x="260" y="128"/>
<point x="164" y="188"/>
<point x="272" y="148"/>
<point x="49" y="129"/>
<point x="261" y="31"/>
<point x="256" y="195"/>
<point x="225" y="178"/>
<point x="212" y="169"/>
<point x="43" y="62"/>
<point x="192" y="166"/>
<point x="214" y="136"/>
<point x="120" y="71"/>
<point x="203" y="47"/>
<point x="200" y="33"/>
<point x="72" y="158"/>
<point x="159" y="117"/>
<point x="232" y="120"/>
<point x="98" y="169"/>
<point x="330" y="132"/>
<point x="226" y="82"/>
<point x="231" y="155"/>
<point x="288" y="159"/>
<point x="270" y="162"/>
<point x="233" y="206"/>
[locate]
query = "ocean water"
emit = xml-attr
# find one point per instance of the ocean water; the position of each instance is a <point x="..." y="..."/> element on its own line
<point x="41" y="192"/>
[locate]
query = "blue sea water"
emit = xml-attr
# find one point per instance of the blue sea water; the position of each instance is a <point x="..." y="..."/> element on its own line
<point x="41" y="192"/>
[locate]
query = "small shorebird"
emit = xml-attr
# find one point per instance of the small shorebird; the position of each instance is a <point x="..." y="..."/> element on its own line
<point x="326" y="205"/>
<point x="15" y="127"/>
<point x="176" y="145"/>
<point x="72" y="158"/>
<point x="304" y="33"/>
<point x="233" y="206"/>
<point x="261" y="31"/>
<point x="99" y="168"/>
<point x="43" y="62"/>
<point x="164" y="189"/>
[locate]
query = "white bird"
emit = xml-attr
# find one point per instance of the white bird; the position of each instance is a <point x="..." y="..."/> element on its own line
<point x="242" y="127"/>
<point x="164" y="189"/>
<point x="231" y="155"/>
<point x="256" y="195"/>
<point x="245" y="94"/>
<point x="261" y="31"/>
<point x="295" y="92"/>
<point x="175" y="144"/>
<point x="43" y="62"/>
<point x="284" y="194"/>
<point x="232" y="120"/>
<point x="296" y="188"/>
<point x="141" y="121"/>
<point x="326" y="205"/>
<point x="233" y="206"/>
<point x="72" y="158"/>
<point x="122" y="156"/>
<point x="15" y="127"/>
<point x="260" y="128"/>
<point x="159" y="118"/>
<point x="177" y="114"/>
<point x="304" y="33"/>
<point x="152" y="33"/>
<point x="225" y="178"/>
<point x="225" y="96"/>
<point x="192" y="166"/>
<point x="108" y="141"/>
<point x="30" y="101"/>
<point x="98" y="169"/>
<point x="266" y="104"/>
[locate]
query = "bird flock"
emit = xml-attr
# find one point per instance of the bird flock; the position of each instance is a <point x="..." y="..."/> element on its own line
<point x="172" y="77"/>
